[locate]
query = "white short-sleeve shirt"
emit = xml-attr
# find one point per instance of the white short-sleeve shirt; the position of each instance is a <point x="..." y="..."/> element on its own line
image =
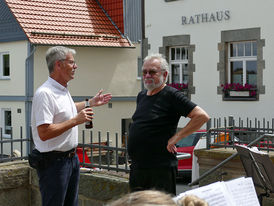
<point x="52" y="104"/>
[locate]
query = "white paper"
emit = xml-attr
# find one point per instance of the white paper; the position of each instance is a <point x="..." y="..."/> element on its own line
<point x="215" y="194"/>
<point x="243" y="192"/>
<point x="237" y="192"/>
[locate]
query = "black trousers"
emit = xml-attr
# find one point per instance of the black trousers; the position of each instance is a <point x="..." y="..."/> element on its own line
<point x="163" y="179"/>
<point x="59" y="182"/>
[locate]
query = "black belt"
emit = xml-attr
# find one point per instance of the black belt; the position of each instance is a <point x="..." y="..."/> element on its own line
<point x="59" y="154"/>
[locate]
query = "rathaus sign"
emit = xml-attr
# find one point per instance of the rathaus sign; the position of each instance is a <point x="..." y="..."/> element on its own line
<point x="206" y="17"/>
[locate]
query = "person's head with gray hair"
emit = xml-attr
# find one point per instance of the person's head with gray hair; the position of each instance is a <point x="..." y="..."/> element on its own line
<point x="57" y="53"/>
<point x="161" y="58"/>
<point x="155" y="73"/>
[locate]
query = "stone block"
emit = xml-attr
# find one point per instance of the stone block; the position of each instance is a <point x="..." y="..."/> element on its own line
<point x="102" y="187"/>
<point x="13" y="175"/>
<point x="19" y="196"/>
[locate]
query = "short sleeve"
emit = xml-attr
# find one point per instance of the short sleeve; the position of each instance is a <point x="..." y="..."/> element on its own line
<point x="43" y="106"/>
<point x="182" y="104"/>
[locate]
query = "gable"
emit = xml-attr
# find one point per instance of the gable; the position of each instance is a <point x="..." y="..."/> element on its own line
<point x="10" y="30"/>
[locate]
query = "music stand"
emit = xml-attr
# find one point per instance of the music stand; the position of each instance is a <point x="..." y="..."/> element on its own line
<point x="258" y="166"/>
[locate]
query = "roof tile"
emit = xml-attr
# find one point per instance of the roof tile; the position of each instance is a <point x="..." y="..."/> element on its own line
<point x="70" y="22"/>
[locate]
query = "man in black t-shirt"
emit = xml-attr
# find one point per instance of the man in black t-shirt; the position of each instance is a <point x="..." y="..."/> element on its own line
<point x="152" y="135"/>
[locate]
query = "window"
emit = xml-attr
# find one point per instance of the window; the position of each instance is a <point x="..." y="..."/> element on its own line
<point x="6" y="122"/>
<point x="178" y="65"/>
<point x="241" y="65"/>
<point x="4" y="65"/>
<point x="179" y="54"/>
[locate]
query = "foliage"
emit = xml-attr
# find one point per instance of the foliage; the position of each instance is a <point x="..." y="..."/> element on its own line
<point x="239" y="87"/>
<point x="179" y="86"/>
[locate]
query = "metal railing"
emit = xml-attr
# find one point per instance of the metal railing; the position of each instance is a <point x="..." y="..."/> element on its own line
<point x="195" y="182"/>
<point x="108" y="153"/>
<point x="227" y="134"/>
<point x="105" y="154"/>
<point x="13" y="148"/>
<point x="115" y="157"/>
<point x="96" y="151"/>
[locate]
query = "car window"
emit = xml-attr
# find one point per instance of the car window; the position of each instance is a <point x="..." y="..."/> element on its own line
<point x="190" y="140"/>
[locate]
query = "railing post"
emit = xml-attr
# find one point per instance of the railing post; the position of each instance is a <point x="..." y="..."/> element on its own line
<point x="230" y="121"/>
<point x="1" y="138"/>
<point x="83" y="148"/>
<point x="21" y="142"/>
<point x="116" y="151"/>
<point x="100" y="154"/>
<point x="11" y="142"/>
<point x="208" y="126"/>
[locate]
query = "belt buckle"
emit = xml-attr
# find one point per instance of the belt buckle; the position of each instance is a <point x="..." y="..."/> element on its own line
<point x="71" y="154"/>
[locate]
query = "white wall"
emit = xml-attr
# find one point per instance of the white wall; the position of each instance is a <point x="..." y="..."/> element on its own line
<point x="113" y="69"/>
<point x="14" y="86"/>
<point x="18" y="52"/>
<point x="205" y="37"/>
<point x="18" y="120"/>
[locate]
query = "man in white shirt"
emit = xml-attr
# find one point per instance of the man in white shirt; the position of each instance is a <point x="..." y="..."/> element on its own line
<point x="55" y="132"/>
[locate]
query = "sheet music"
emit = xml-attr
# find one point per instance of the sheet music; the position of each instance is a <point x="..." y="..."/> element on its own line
<point x="215" y="194"/>
<point x="243" y="192"/>
<point x="237" y="192"/>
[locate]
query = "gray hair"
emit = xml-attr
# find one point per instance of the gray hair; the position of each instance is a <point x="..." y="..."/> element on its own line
<point x="163" y="63"/>
<point x="161" y="58"/>
<point x="57" y="53"/>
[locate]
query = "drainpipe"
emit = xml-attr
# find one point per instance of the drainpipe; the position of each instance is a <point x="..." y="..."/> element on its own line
<point x="142" y="36"/>
<point x="29" y="81"/>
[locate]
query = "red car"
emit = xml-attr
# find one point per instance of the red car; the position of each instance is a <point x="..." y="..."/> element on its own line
<point x="186" y="145"/>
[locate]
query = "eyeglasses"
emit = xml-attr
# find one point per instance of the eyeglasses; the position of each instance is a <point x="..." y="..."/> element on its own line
<point x="151" y="72"/>
<point x="71" y="62"/>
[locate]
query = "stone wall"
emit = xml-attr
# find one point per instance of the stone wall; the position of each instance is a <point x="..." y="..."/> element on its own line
<point x="208" y="159"/>
<point x="19" y="186"/>
<point x="14" y="184"/>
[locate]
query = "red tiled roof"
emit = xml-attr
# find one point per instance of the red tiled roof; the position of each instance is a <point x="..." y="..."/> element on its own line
<point x="114" y="9"/>
<point x="66" y="22"/>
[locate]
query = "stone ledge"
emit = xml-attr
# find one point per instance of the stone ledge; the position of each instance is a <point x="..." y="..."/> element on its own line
<point x="14" y="174"/>
<point x="102" y="186"/>
<point x="223" y="153"/>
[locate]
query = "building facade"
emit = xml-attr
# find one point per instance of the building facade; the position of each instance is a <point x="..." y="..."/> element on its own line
<point x="108" y="57"/>
<point x="219" y="51"/>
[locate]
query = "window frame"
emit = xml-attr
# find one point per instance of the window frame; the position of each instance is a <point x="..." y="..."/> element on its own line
<point x="2" y="76"/>
<point x="4" y="123"/>
<point x="249" y="34"/>
<point x="180" y="40"/>
<point x="180" y="62"/>
<point x="237" y="58"/>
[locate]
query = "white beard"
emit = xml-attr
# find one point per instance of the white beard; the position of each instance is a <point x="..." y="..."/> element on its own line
<point x="152" y="85"/>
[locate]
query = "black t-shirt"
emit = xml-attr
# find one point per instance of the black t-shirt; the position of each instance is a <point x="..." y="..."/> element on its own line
<point x="154" y="123"/>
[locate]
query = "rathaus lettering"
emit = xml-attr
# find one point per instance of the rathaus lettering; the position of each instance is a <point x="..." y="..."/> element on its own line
<point x="206" y="17"/>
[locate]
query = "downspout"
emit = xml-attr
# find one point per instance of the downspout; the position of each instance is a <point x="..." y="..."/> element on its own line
<point x="142" y="36"/>
<point x="29" y="81"/>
